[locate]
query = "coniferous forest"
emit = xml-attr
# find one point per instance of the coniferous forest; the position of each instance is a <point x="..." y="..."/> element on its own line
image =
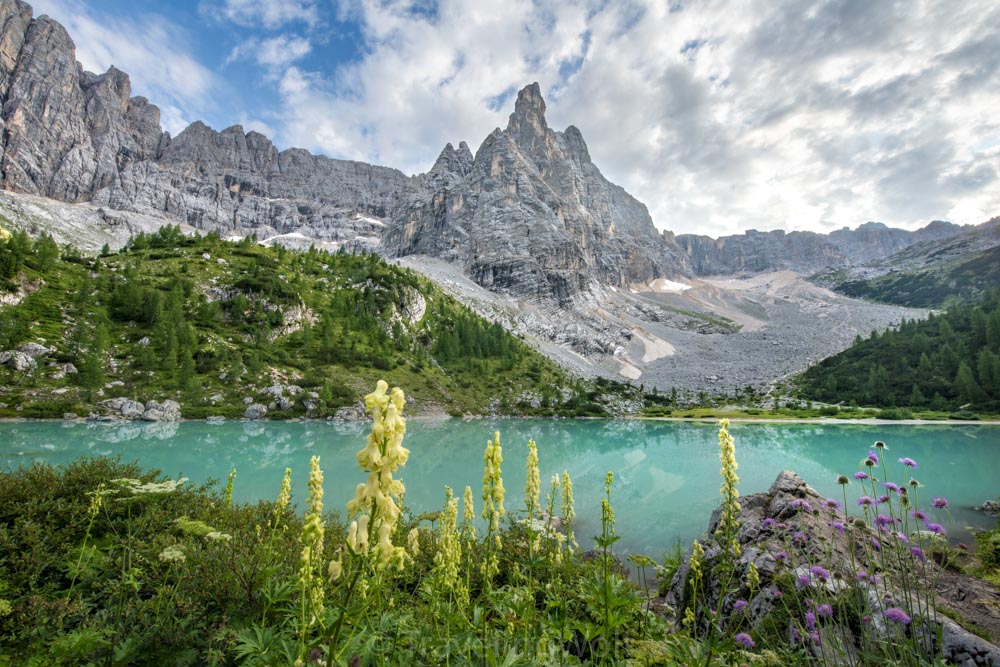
<point x="192" y="318"/>
<point x="948" y="361"/>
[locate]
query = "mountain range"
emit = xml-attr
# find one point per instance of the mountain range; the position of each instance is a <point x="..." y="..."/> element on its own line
<point x="575" y="260"/>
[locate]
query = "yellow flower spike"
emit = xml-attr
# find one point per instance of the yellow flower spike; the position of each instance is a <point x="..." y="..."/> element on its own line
<point x="532" y="486"/>
<point x="568" y="511"/>
<point x="468" y="515"/>
<point x="413" y="542"/>
<point x="730" y="494"/>
<point x="284" y="495"/>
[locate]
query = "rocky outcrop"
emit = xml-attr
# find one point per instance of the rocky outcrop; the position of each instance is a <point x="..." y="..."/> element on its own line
<point x="18" y="361"/>
<point x="804" y="252"/>
<point x="531" y="216"/>
<point x="255" y="411"/>
<point x="76" y="136"/>
<point x="793" y="536"/>
<point x="127" y="409"/>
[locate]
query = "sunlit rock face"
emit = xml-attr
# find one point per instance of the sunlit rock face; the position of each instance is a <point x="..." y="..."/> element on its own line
<point x="532" y="216"/>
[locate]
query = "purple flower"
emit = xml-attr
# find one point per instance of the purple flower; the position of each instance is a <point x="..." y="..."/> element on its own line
<point x="936" y="528"/>
<point x="837" y="526"/>
<point x="883" y="520"/>
<point x="744" y="640"/>
<point x="940" y="503"/>
<point x="908" y="462"/>
<point x="918" y="553"/>
<point x="800" y="504"/>
<point x="768" y="522"/>
<point x="821" y="573"/>
<point x="739" y="604"/>
<point x="872" y="459"/>
<point x="898" y="615"/>
<point x="861" y="475"/>
<point x="883" y="499"/>
<point x="799" y="537"/>
<point x="832" y="504"/>
<point x="781" y="555"/>
<point x="810" y="620"/>
<point x="824" y="610"/>
<point x="900" y="536"/>
<point x="804" y="580"/>
<point x="862" y="575"/>
<point x="891" y="486"/>
<point x="867" y="501"/>
<point x="918" y="515"/>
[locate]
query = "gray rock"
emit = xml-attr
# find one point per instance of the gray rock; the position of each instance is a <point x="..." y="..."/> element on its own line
<point x="167" y="411"/>
<point x="255" y="411"/>
<point x="766" y="545"/>
<point x="18" y="361"/>
<point x="350" y="413"/>
<point x="68" y="416"/>
<point x="35" y="350"/>
<point x="805" y="252"/>
<point x="531" y="216"/>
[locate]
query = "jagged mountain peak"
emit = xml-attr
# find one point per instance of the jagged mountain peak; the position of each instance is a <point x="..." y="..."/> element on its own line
<point x="527" y="124"/>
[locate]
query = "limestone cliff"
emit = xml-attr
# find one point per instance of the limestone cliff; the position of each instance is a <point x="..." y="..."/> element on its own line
<point x="532" y="216"/>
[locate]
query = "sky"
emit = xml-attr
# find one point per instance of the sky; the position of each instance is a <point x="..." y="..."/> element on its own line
<point x="719" y="116"/>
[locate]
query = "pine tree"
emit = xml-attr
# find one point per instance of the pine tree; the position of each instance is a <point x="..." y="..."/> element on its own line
<point x="965" y="385"/>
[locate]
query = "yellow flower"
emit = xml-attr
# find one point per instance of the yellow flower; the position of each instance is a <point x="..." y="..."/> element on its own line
<point x="493" y="495"/>
<point x="335" y="569"/>
<point x="377" y="500"/>
<point x="532" y="486"/>
<point x="468" y="515"/>
<point x="284" y="496"/>
<point x="448" y="558"/>
<point x="568" y="512"/>
<point x="413" y="542"/>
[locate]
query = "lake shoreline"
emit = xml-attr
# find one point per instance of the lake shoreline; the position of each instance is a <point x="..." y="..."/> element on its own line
<point x="708" y="420"/>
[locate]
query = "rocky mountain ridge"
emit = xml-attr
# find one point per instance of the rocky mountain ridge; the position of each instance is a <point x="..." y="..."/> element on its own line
<point x="755" y="252"/>
<point x="528" y="218"/>
<point x="529" y="214"/>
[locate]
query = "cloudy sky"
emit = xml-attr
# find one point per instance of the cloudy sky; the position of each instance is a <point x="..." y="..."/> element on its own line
<point x="720" y="116"/>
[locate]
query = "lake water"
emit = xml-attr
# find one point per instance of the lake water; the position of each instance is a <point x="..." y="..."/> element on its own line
<point x="666" y="473"/>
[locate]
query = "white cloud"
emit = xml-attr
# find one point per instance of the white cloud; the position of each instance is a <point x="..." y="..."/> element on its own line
<point x="151" y="49"/>
<point x="720" y="116"/>
<point x="273" y="53"/>
<point x="269" y="14"/>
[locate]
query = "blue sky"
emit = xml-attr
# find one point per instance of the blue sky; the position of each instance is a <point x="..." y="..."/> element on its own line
<point x="720" y="115"/>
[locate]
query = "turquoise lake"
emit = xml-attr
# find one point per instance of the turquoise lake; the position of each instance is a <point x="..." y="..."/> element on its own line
<point x="666" y="473"/>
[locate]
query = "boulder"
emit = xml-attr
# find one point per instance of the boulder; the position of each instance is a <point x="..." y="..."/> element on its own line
<point x="255" y="411"/>
<point x="18" y="361"/>
<point x="350" y="413"/>
<point x="34" y="350"/>
<point x="791" y="529"/>
<point x="167" y="411"/>
<point x="123" y="407"/>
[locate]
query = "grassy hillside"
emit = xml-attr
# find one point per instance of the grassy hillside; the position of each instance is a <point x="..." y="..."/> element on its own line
<point x="961" y="280"/>
<point x="942" y="363"/>
<point x="930" y="274"/>
<point x="211" y="324"/>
